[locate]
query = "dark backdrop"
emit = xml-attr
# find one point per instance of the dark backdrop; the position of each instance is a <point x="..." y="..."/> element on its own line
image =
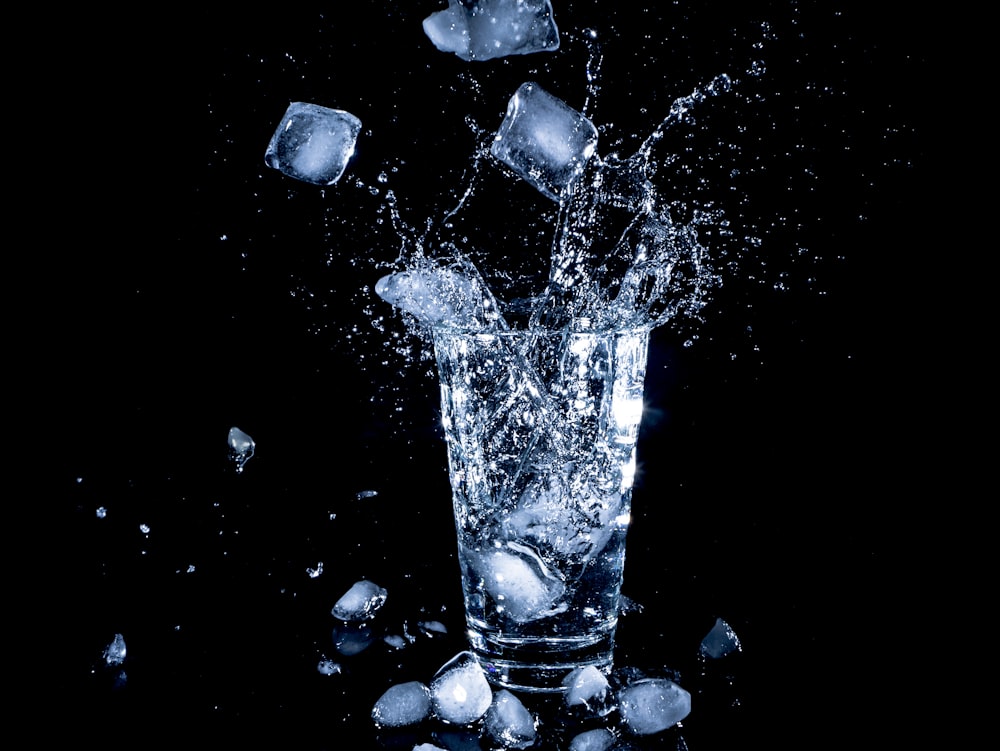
<point x="190" y="289"/>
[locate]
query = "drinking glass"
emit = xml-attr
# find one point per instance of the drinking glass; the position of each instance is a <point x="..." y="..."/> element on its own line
<point x="541" y="429"/>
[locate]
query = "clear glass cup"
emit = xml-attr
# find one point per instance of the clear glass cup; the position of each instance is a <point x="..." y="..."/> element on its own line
<point x="541" y="430"/>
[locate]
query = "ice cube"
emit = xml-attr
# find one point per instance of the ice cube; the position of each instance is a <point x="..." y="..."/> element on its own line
<point x="439" y="295"/>
<point x="720" y="640"/>
<point x="352" y="638"/>
<point x="520" y="583"/>
<point x="487" y="29"/>
<point x="460" y="693"/>
<point x="114" y="653"/>
<point x="544" y="140"/>
<point x="402" y="704"/>
<point x="360" y="602"/>
<point x="241" y="447"/>
<point x="586" y="686"/>
<point x="313" y="143"/>
<point x="598" y="739"/>
<point x="653" y="704"/>
<point x="509" y="721"/>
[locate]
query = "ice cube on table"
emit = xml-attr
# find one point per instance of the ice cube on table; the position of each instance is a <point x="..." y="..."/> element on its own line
<point x="598" y="739"/>
<point x="360" y="602"/>
<point x="509" y="721"/>
<point x="460" y="693"/>
<point x="586" y="686"/>
<point x="402" y="704"/>
<point x="544" y="140"/>
<point x="719" y="641"/>
<point x="653" y="704"/>
<point x="313" y="143"/>
<point x="477" y="30"/>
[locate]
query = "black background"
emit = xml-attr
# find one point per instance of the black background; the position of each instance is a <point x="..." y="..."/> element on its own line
<point x="188" y="289"/>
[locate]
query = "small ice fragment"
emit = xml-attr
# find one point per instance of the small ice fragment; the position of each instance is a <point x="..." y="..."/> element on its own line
<point x="114" y="653"/>
<point x="653" y="704"/>
<point x="598" y="739"/>
<point x="521" y="584"/>
<point x="144" y="528"/>
<point x="544" y="140"/>
<point x="362" y="495"/>
<point x="460" y="693"/>
<point x="437" y="296"/>
<point x="101" y="512"/>
<point x="360" y="602"/>
<point x="720" y="640"/>
<point x="313" y="143"/>
<point x="352" y="638"/>
<point x="432" y="627"/>
<point x="328" y="667"/>
<point x="509" y="721"/>
<point x="314" y="572"/>
<point x="488" y="29"/>
<point x="395" y="641"/>
<point x="402" y="704"/>
<point x="241" y="447"/>
<point x="587" y="686"/>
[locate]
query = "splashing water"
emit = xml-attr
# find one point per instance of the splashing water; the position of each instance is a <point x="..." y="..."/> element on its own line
<point x="618" y="258"/>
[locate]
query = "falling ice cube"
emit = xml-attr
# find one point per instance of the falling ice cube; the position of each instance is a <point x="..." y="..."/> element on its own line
<point x="488" y="29"/>
<point x="438" y="296"/>
<point x="653" y="704"/>
<point x="544" y="140"/>
<point x="460" y="693"/>
<point x="360" y="602"/>
<point x="719" y="641"/>
<point x="241" y="447"/>
<point x="114" y="653"/>
<point x="313" y="143"/>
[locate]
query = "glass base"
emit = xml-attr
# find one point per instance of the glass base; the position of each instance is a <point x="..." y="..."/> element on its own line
<point x="536" y="665"/>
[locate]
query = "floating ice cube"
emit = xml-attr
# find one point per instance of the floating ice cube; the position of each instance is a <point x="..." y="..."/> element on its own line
<point x="241" y="447"/>
<point x="720" y="640"/>
<point x="313" y="143"/>
<point x="509" y="721"/>
<point x="544" y="140"/>
<point x="598" y="739"/>
<point x="114" y="653"/>
<point x="402" y="704"/>
<point x="587" y="686"/>
<point x="460" y="693"/>
<point x="360" y="602"/>
<point x="653" y="704"/>
<point x="487" y="29"/>
<point x="437" y="295"/>
<point x="570" y="523"/>
<point x="520" y="583"/>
